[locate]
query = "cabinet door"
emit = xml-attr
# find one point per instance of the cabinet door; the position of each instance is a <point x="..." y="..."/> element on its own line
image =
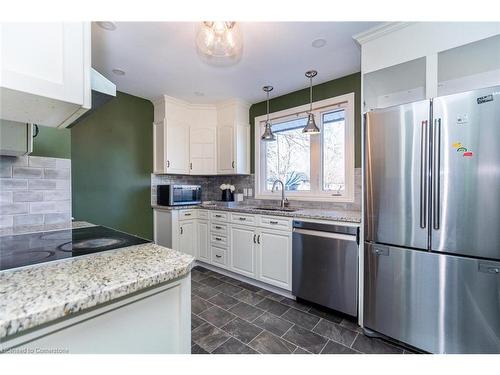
<point x="187" y="237"/>
<point x="275" y="258"/>
<point x="203" y="240"/>
<point x="159" y="149"/>
<point x="45" y="71"/>
<point x="202" y="151"/>
<point x="177" y="141"/>
<point x="225" y="150"/>
<point x="44" y="59"/>
<point x="242" y="250"/>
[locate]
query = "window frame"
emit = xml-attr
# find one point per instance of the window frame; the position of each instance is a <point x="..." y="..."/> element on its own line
<point x="345" y="102"/>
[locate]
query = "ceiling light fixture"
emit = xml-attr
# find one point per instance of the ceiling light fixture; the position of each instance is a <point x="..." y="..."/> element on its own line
<point x="106" y="25"/>
<point x="268" y="133"/>
<point x="219" y="43"/>
<point x="118" y="72"/>
<point x="318" y="43"/>
<point x="311" y="127"/>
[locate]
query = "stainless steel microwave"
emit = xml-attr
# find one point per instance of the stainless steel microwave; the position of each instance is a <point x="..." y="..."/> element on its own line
<point x="178" y="195"/>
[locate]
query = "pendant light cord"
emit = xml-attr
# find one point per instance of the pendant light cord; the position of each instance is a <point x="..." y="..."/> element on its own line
<point x="310" y="94"/>
<point x="267" y="107"/>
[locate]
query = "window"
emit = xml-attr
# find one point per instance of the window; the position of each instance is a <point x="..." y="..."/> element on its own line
<point x="312" y="167"/>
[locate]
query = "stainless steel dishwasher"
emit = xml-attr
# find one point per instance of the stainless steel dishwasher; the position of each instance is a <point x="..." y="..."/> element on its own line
<point x="325" y="265"/>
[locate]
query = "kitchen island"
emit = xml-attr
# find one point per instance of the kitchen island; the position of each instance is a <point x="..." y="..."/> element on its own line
<point x="134" y="299"/>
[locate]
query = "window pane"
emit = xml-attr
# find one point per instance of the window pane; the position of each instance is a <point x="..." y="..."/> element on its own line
<point x="288" y="159"/>
<point x="333" y="136"/>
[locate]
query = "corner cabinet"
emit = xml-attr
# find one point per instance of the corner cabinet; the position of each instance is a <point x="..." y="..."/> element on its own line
<point x="45" y="72"/>
<point x="200" y="139"/>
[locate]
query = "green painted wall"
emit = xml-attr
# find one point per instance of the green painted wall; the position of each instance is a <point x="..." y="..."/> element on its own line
<point x="111" y="152"/>
<point x="344" y="85"/>
<point x="52" y="142"/>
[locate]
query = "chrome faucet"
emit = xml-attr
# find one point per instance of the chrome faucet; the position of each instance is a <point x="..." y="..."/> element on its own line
<point x="284" y="201"/>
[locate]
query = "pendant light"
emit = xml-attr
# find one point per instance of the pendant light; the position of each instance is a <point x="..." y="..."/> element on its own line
<point x="268" y="133"/>
<point x="311" y="127"/>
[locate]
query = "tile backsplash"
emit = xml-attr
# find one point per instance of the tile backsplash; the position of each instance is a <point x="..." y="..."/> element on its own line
<point x="34" y="190"/>
<point x="211" y="192"/>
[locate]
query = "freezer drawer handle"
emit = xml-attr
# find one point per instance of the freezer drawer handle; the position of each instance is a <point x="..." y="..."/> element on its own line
<point x="489" y="268"/>
<point x="436" y="174"/>
<point x="423" y="174"/>
<point x="379" y="250"/>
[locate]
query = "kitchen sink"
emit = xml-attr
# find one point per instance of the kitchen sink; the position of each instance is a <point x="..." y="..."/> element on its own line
<point x="282" y="209"/>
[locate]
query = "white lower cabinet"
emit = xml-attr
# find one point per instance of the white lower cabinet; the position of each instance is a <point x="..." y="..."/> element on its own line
<point x="258" y="247"/>
<point x="275" y="258"/>
<point x="203" y="239"/>
<point x="187" y="237"/>
<point x="243" y="247"/>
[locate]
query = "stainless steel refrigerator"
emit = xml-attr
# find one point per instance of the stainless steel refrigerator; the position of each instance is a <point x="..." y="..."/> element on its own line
<point x="432" y="223"/>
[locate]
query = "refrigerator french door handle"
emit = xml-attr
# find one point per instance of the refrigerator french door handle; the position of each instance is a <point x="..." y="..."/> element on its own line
<point x="423" y="173"/>
<point x="436" y="175"/>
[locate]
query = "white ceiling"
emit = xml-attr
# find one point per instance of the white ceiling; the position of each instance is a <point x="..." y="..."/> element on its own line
<point x="160" y="58"/>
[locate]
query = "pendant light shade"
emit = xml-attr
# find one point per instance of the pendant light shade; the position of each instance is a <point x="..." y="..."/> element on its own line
<point x="311" y="127"/>
<point x="268" y="132"/>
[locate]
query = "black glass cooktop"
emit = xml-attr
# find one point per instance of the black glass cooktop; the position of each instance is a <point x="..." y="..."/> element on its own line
<point x="27" y="249"/>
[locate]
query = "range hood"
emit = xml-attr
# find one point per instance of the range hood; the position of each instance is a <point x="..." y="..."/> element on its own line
<point x="103" y="90"/>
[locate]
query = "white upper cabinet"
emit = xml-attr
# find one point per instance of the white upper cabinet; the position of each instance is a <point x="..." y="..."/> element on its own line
<point x="45" y="72"/>
<point x="403" y="62"/>
<point x="233" y="138"/>
<point x="201" y="139"/>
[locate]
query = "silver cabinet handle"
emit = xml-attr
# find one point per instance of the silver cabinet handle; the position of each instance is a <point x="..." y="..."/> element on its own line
<point x="423" y="173"/>
<point x="168" y="163"/>
<point x="436" y="178"/>
<point x="182" y="230"/>
<point x="254" y="236"/>
<point x="258" y="239"/>
<point x="232" y="164"/>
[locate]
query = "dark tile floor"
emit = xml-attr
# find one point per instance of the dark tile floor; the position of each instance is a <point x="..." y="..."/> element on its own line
<point x="230" y="317"/>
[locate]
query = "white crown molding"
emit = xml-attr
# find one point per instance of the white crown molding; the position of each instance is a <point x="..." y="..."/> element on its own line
<point x="379" y="31"/>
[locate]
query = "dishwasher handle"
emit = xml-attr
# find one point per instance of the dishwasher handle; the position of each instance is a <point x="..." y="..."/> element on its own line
<point x="336" y="236"/>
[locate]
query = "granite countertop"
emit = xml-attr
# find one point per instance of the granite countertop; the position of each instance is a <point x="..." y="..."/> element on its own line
<point x="299" y="213"/>
<point x="34" y="295"/>
<point x="44" y="228"/>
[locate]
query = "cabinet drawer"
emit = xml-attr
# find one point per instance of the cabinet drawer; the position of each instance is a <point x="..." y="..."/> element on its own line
<point x="218" y="228"/>
<point x="203" y="214"/>
<point x="219" y="240"/>
<point x="187" y="214"/>
<point x="219" y="256"/>
<point x="276" y="222"/>
<point x="218" y="216"/>
<point x="242" y="218"/>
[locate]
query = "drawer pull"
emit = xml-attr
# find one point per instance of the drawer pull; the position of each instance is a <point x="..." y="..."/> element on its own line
<point x="218" y="256"/>
<point x="218" y="227"/>
<point x="243" y="218"/>
<point x="273" y="222"/>
<point x="187" y="214"/>
<point x="218" y="238"/>
<point x="218" y="215"/>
